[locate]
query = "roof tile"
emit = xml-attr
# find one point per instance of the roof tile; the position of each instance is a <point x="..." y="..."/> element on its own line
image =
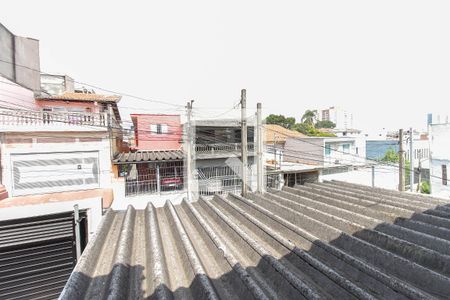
<point x="68" y="96"/>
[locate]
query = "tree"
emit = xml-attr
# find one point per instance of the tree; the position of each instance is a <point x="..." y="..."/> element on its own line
<point x="391" y="156"/>
<point x="303" y="128"/>
<point x="309" y="117"/>
<point x="280" y="120"/>
<point x="425" y="187"/>
<point x="325" y="124"/>
<point x="309" y="130"/>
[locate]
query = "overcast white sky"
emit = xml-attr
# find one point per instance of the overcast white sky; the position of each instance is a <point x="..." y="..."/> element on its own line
<point x="386" y="61"/>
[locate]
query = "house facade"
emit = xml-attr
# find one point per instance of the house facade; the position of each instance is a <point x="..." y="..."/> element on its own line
<point x="325" y="151"/>
<point x="218" y="153"/>
<point x="280" y="171"/>
<point x="56" y="143"/>
<point x="274" y="141"/>
<point x="157" y="132"/>
<point x="56" y="146"/>
<point x="158" y="166"/>
<point x="154" y="166"/>
<point x="439" y="135"/>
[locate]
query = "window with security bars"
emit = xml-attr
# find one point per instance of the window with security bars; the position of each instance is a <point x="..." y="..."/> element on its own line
<point x="444" y="174"/>
<point x="159" y="128"/>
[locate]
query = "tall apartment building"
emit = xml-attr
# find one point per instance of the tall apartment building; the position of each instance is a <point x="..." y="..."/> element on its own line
<point x="437" y="118"/>
<point x="341" y="117"/>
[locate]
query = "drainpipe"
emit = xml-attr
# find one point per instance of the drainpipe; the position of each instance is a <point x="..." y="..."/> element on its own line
<point x="76" y="217"/>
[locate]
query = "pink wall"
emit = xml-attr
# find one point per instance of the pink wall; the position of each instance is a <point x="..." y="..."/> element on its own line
<point x="147" y="140"/>
<point x="15" y="96"/>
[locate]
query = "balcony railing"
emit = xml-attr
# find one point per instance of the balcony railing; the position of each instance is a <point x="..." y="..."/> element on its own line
<point x="39" y="119"/>
<point x="222" y="148"/>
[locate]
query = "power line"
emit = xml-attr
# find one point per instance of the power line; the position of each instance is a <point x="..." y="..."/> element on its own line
<point x="97" y="87"/>
<point x="377" y="162"/>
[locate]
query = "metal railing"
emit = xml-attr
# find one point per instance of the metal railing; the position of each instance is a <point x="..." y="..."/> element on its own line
<point x="273" y="181"/>
<point x="223" y="147"/>
<point x="43" y="118"/>
<point x="153" y="180"/>
<point x="220" y="180"/>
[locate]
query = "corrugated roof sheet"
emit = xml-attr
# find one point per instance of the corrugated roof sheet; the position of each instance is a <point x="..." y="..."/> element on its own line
<point x="69" y="96"/>
<point x="331" y="240"/>
<point x="144" y="156"/>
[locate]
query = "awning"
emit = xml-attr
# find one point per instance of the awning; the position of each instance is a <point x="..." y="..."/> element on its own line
<point x="148" y="156"/>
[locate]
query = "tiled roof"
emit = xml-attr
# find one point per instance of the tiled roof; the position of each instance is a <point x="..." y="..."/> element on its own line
<point x="279" y="133"/>
<point x="144" y="156"/>
<point x="331" y="240"/>
<point x="83" y="97"/>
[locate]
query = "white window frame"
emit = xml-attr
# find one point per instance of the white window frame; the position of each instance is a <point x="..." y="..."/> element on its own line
<point x="159" y="128"/>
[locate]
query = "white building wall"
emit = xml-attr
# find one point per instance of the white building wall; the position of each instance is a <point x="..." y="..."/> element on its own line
<point x="339" y="116"/>
<point x="340" y="155"/>
<point x="437" y="118"/>
<point x="314" y="151"/>
<point x="360" y="147"/>
<point x="421" y="151"/>
<point x="439" y="138"/>
<point x="9" y="148"/>
<point x="385" y="177"/>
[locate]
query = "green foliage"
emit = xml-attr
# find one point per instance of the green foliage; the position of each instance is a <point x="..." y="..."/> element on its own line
<point x="323" y="134"/>
<point x="309" y="117"/>
<point x="391" y="156"/>
<point x="309" y="130"/>
<point x="325" y="124"/>
<point x="306" y="126"/>
<point x="303" y="128"/>
<point x="425" y="187"/>
<point x="281" y="120"/>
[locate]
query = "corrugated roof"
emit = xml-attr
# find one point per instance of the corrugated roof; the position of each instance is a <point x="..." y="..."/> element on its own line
<point x="69" y="96"/>
<point x="144" y="156"/>
<point x="331" y="240"/>
<point x="279" y="133"/>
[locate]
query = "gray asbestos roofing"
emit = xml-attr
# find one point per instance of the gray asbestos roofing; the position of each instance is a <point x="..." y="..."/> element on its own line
<point x="330" y="240"/>
<point x="146" y="156"/>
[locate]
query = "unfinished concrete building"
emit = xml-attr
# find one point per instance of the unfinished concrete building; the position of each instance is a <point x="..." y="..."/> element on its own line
<point x="331" y="240"/>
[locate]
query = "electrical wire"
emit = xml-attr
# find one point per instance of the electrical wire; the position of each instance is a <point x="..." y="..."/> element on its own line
<point x="167" y="103"/>
<point x="377" y="162"/>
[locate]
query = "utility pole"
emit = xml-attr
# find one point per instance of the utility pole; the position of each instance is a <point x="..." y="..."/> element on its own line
<point x="259" y="150"/>
<point x="401" y="165"/>
<point x="244" y="141"/>
<point x="275" y="150"/>
<point x="420" y="176"/>
<point x="189" y="142"/>
<point x="110" y="131"/>
<point x="411" y="161"/>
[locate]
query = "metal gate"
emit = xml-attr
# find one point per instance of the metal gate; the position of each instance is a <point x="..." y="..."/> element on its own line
<point x="40" y="173"/>
<point x="37" y="256"/>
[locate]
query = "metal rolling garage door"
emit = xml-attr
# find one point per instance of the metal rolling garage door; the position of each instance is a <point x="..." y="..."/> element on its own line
<point x="37" y="256"/>
<point x="35" y="173"/>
